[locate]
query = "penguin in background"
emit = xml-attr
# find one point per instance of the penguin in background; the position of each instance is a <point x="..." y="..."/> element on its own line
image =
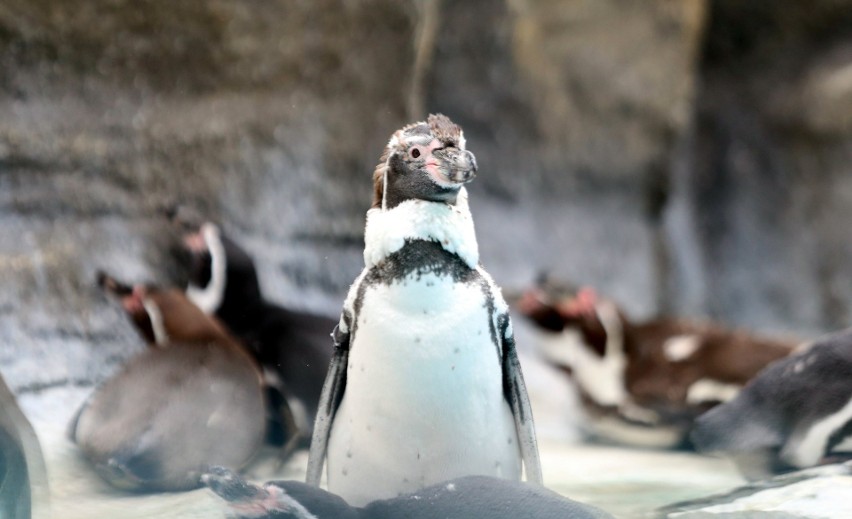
<point x="194" y="398"/>
<point x="641" y="382"/>
<point x="795" y="414"/>
<point x="461" y="498"/>
<point x="24" y="492"/>
<point x="292" y="346"/>
<point x="425" y="384"/>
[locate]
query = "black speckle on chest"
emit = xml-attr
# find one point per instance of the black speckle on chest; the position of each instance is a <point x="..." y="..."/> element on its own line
<point x="415" y="259"/>
<point x="419" y="257"/>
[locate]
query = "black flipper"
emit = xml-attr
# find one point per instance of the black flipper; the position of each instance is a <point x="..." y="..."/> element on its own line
<point x="332" y="393"/>
<point x="516" y="394"/>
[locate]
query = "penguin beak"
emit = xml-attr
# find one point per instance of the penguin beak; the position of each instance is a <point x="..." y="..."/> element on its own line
<point x="134" y="302"/>
<point x="457" y="166"/>
<point x="112" y="285"/>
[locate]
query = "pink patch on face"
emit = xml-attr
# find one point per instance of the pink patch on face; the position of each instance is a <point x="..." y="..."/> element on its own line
<point x="133" y="303"/>
<point x="581" y="305"/>
<point x="435" y="172"/>
<point x="195" y="242"/>
<point x="431" y="164"/>
<point x="531" y="301"/>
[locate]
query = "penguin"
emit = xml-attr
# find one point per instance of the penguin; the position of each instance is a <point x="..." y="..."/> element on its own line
<point x="193" y="399"/>
<point x="425" y="383"/>
<point x="292" y="347"/>
<point x="796" y="413"/>
<point x="461" y="498"/>
<point x="642" y="382"/>
<point x="24" y="493"/>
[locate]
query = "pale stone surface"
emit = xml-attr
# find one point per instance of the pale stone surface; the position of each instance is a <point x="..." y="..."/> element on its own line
<point x="626" y="482"/>
<point x="629" y="483"/>
<point x="816" y="493"/>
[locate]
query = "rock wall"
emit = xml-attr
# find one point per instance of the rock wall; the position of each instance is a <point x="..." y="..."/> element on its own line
<point x="688" y="156"/>
<point x="268" y="116"/>
<point x="766" y="168"/>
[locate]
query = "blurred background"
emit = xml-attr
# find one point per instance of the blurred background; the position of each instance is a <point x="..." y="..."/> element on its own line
<point x="687" y="157"/>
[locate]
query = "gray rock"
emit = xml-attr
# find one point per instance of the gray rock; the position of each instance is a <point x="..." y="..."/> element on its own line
<point x="270" y="119"/>
<point x="817" y="493"/>
<point x="765" y="179"/>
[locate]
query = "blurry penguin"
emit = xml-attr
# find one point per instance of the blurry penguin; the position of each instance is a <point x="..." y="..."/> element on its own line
<point x="796" y="413"/>
<point x="23" y="479"/>
<point x="642" y="383"/>
<point x="293" y="347"/>
<point x="194" y="400"/>
<point x="425" y="383"/>
<point x="462" y="498"/>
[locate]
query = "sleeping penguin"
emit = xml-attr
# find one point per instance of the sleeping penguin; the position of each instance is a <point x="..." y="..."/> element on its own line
<point x="424" y="384"/>
<point x="194" y="398"/>
<point x="796" y="413"/>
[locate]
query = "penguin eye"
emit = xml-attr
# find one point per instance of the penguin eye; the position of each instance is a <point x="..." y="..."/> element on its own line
<point x="415" y="152"/>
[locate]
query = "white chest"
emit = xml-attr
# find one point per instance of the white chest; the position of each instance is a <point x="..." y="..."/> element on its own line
<point x="424" y="393"/>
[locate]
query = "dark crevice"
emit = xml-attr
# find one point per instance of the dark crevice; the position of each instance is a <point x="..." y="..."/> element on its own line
<point x="38" y="387"/>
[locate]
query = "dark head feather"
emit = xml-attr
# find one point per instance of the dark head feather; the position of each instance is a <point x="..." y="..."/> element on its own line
<point x="438" y="125"/>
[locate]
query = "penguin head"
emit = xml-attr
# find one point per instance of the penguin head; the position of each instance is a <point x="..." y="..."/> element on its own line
<point x="162" y="315"/>
<point x="199" y="244"/>
<point x="219" y="271"/>
<point x="556" y="305"/>
<point x="132" y="300"/>
<point x="581" y="312"/>
<point x="423" y="161"/>
<point x="535" y="305"/>
<point x="197" y="237"/>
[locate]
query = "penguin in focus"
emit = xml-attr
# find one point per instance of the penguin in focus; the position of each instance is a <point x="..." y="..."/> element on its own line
<point x="193" y="399"/>
<point x="796" y="413"/>
<point x="291" y="346"/>
<point x="424" y="384"/>
<point x="461" y="498"/>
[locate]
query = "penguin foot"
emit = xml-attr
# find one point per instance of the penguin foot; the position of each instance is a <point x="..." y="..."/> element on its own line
<point x="248" y="500"/>
<point x="230" y="486"/>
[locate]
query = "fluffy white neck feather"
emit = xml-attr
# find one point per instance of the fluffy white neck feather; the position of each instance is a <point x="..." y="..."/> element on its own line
<point x="161" y="337"/>
<point x="449" y="225"/>
<point x="209" y="298"/>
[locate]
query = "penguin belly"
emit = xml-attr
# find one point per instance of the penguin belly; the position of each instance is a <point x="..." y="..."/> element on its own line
<point x="424" y="398"/>
<point x="170" y="413"/>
